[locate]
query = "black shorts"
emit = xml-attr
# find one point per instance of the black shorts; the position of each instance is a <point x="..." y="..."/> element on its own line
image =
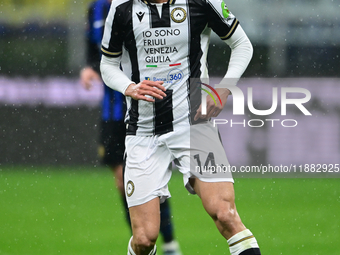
<point x="112" y="142"/>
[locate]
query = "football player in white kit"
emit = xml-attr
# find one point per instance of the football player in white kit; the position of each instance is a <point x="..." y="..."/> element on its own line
<point x="162" y="48"/>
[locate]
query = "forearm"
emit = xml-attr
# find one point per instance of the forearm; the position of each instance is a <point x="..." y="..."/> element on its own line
<point x="112" y="75"/>
<point x="241" y="54"/>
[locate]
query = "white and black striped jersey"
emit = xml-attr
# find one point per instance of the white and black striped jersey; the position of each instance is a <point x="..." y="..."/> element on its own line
<point x="167" y="42"/>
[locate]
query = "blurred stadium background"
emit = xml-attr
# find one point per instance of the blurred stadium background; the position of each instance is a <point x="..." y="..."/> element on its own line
<point x="55" y="198"/>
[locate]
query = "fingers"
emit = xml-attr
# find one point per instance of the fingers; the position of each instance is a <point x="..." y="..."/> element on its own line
<point x="157" y="84"/>
<point x="153" y="88"/>
<point x="88" y="76"/>
<point x="198" y="114"/>
<point x="86" y="85"/>
<point x="210" y="114"/>
<point x="146" y="90"/>
<point x="212" y="110"/>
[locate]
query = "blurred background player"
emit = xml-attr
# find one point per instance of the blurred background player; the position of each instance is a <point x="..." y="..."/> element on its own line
<point x="112" y="128"/>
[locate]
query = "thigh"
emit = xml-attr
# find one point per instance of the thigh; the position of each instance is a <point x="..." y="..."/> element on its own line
<point x="208" y="160"/>
<point x="212" y="193"/>
<point x="203" y="157"/>
<point x="146" y="174"/>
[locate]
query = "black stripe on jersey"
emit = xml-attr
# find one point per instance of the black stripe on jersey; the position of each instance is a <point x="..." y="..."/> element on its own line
<point x="131" y="44"/>
<point x="195" y="99"/>
<point x="196" y="27"/>
<point x="156" y="21"/>
<point x="131" y="47"/>
<point x="163" y="114"/>
<point x="133" y="118"/>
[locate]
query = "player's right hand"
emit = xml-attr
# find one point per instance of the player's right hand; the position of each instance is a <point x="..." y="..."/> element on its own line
<point x="146" y="90"/>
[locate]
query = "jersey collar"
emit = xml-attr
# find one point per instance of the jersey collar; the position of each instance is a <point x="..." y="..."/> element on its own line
<point x="168" y="2"/>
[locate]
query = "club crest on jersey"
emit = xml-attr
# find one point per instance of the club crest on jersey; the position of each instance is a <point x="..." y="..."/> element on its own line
<point x="178" y="15"/>
<point x="130" y="188"/>
<point x="225" y="10"/>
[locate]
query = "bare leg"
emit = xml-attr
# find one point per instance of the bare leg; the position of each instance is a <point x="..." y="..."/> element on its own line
<point x="166" y="227"/>
<point x="145" y="222"/>
<point x="218" y="199"/>
<point x="118" y="174"/>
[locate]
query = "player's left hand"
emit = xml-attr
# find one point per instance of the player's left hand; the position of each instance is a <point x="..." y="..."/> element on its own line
<point x="212" y="109"/>
<point x="88" y="76"/>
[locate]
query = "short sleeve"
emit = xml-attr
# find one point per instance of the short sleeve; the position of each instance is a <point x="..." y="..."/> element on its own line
<point x="112" y="42"/>
<point x="220" y="19"/>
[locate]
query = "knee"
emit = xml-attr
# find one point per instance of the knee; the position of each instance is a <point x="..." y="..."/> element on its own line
<point x="143" y="241"/>
<point x="224" y="212"/>
<point x="227" y="215"/>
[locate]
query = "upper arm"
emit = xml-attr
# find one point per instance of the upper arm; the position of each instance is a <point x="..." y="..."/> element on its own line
<point x="112" y="42"/>
<point x="220" y="19"/>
